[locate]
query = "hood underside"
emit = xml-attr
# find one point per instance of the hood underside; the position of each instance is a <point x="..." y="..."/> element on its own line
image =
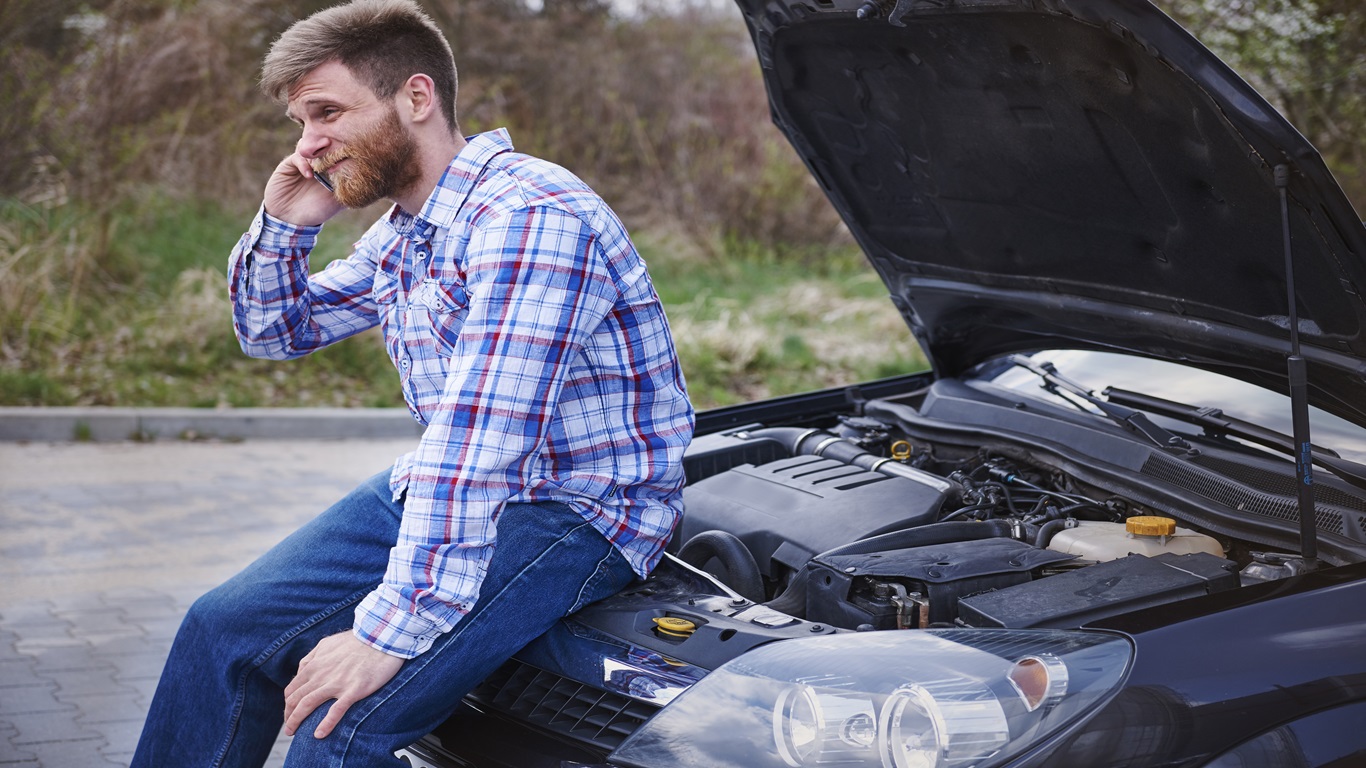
<point x="1030" y="175"/>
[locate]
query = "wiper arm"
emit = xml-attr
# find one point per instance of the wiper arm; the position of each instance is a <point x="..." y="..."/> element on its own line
<point x="1215" y="422"/>
<point x="1128" y="418"/>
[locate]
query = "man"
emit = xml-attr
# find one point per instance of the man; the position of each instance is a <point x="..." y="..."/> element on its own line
<point x="530" y="341"/>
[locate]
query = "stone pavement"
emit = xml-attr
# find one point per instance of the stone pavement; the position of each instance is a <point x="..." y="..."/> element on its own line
<point x="104" y="546"/>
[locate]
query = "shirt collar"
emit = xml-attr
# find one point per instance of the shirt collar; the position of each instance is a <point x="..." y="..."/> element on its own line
<point x="455" y="185"/>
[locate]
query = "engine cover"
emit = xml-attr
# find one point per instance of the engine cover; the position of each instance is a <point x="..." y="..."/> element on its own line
<point x="790" y="510"/>
<point x="844" y="590"/>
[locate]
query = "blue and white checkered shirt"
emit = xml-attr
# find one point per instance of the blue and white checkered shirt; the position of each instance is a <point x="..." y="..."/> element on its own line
<point x="528" y="338"/>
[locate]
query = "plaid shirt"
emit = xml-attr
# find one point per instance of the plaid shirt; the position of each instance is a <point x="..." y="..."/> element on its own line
<point x="528" y="338"/>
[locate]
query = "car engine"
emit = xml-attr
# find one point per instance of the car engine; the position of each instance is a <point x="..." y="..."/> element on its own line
<point x="955" y="505"/>
<point x="859" y="529"/>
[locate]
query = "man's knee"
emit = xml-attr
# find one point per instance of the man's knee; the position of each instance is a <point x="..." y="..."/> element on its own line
<point x="350" y="743"/>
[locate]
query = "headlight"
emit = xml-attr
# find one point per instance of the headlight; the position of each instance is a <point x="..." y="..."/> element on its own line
<point x="908" y="699"/>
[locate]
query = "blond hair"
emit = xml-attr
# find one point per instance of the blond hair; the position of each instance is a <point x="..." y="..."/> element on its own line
<point x="382" y="42"/>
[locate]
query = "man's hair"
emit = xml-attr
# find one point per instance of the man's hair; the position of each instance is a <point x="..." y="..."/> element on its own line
<point x="382" y="42"/>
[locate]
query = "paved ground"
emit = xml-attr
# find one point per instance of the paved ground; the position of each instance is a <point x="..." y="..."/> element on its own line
<point x="102" y="548"/>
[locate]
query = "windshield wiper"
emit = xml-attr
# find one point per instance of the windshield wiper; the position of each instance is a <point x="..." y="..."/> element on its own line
<point x="1216" y="423"/>
<point x="1130" y="419"/>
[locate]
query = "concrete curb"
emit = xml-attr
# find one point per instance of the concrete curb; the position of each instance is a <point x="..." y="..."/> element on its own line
<point x="62" y="425"/>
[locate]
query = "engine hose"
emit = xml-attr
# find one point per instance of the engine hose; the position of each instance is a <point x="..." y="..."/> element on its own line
<point x="742" y="573"/>
<point x="818" y="442"/>
<point x="1047" y="531"/>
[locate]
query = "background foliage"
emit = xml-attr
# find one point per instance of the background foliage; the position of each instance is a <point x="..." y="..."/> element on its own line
<point x="133" y="145"/>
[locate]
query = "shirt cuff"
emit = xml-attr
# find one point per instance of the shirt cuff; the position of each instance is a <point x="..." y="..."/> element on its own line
<point x="383" y="625"/>
<point x="271" y="236"/>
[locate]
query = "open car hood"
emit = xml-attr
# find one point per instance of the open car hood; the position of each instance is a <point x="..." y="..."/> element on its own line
<point x="1050" y="174"/>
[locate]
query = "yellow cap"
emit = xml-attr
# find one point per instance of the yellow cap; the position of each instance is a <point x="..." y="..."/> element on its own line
<point x="1150" y="526"/>
<point x="674" y="626"/>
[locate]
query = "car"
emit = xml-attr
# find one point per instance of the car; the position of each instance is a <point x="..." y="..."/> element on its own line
<point x="1122" y="519"/>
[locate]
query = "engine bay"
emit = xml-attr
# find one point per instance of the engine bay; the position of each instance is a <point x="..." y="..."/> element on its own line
<point x="953" y="506"/>
<point x="862" y="529"/>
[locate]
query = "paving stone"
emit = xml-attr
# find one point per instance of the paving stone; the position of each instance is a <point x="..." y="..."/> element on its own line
<point x="131" y="645"/>
<point x="149" y="548"/>
<point x="136" y="611"/>
<point x="107" y="622"/>
<point x="30" y="699"/>
<point x="46" y="727"/>
<point x="120" y="737"/>
<point x="106" y="707"/>
<point x="81" y="601"/>
<point x="26" y="613"/>
<point x="84" y="753"/>
<point x="145" y="686"/>
<point x="53" y="658"/>
<point x="10" y="753"/>
<point x="18" y="672"/>
<point x="88" y="682"/>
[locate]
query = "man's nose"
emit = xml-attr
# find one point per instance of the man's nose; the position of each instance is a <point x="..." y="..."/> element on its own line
<point x="313" y="143"/>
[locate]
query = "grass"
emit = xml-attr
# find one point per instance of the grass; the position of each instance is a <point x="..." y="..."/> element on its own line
<point x="145" y="321"/>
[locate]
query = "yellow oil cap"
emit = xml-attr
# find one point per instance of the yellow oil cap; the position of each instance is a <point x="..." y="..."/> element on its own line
<point x="1150" y="525"/>
<point x="672" y="626"/>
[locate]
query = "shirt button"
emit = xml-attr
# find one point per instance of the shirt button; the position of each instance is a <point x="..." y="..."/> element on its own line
<point x="403" y="363"/>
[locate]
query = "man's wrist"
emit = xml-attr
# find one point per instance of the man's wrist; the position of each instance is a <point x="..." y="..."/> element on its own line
<point x="271" y="235"/>
<point x="384" y="626"/>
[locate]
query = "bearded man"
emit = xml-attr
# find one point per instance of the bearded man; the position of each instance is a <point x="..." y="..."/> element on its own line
<point x="528" y="339"/>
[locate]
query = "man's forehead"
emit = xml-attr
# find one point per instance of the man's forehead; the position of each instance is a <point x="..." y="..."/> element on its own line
<point x="329" y="83"/>
<point x="326" y="77"/>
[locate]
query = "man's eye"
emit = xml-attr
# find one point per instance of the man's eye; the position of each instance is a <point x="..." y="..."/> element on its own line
<point x="330" y="112"/>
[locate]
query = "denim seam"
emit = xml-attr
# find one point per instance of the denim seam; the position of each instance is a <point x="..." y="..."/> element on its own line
<point x="265" y="655"/>
<point x="599" y="573"/>
<point x="432" y="654"/>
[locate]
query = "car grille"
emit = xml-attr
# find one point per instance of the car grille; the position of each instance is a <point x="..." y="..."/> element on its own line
<point x="581" y="712"/>
<point x="1259" y="492"/>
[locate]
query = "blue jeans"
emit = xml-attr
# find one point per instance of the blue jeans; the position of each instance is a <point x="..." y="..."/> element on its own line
<point x="220" y="701"/>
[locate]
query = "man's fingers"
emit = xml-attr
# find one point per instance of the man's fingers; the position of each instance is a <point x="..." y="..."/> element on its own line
<point x="299" y="710"/>
<point x="340" y="667"/>
<point x="305" y="168"/>
<point x="334" y="716"/>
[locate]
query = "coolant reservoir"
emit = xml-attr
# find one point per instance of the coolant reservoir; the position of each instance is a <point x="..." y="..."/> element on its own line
<point x="1102" y="541"/>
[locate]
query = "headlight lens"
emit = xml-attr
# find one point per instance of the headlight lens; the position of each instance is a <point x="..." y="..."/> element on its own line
<point x="908" y="699"/>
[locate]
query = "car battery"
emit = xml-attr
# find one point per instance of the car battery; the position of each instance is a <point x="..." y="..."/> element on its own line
<point x="1087" y="594"/>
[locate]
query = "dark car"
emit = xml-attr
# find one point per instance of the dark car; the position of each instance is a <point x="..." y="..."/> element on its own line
<point x="1121" y="523"/>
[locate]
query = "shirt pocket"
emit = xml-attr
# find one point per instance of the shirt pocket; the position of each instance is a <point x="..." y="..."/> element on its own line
<point x="446" y="301"/>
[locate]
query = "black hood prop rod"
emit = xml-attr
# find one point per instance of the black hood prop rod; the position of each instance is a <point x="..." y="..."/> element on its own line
<point x="1297" y="371"/>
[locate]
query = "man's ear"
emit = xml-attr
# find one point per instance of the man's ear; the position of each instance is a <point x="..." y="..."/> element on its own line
<point x="417" y="99"/>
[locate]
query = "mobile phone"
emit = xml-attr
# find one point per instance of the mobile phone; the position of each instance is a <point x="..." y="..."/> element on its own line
<point x="323" y="180"/>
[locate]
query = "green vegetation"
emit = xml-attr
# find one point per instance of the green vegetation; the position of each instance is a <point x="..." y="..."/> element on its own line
<point x="748" y="323"/>
<point x="133" y="148"/>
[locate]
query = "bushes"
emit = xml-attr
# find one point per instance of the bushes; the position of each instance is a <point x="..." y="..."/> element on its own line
<point x="132" y="138"/>
<point x="663" y="112"/>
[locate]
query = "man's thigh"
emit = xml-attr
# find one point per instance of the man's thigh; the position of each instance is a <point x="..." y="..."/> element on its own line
<point x="548" y="562"/>
<point x="310" y="581"/>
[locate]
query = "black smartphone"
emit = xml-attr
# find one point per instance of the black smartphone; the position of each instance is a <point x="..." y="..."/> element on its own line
<point x="323" y="180"/>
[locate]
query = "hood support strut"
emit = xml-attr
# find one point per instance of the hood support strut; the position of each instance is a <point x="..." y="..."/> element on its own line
<point x="1299" y="392"/>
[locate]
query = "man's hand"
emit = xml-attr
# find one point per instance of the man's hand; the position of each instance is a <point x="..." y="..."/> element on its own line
<point x="293" y="195"/>
<point x="341" y="667"/>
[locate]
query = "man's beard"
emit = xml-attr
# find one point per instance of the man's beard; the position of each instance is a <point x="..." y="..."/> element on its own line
<point x="383" y="163"/>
